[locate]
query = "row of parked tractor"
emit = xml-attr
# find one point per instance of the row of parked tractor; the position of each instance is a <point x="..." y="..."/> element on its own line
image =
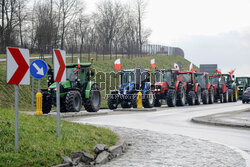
<point x="175" y="87"/>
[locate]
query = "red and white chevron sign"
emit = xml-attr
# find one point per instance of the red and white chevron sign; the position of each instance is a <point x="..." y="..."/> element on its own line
<point x="18" y="66"/>
<point x="59" y="59"/>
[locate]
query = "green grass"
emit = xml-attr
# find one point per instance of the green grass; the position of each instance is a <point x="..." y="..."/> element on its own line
<point x="7" y="91"/>
<point x="38" y="141"/>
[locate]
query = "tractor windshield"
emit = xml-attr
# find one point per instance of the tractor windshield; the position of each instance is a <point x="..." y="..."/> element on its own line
<point x="241" y="81"/>
<point x="70" y="75"/>
<point x="186" y="77"/>
<point x="157" y="77"/>
<point x="166" y="76"/>
<point x="215" y="80"/>
<point x="201" y="80"/>
<point x="128" y="77"/>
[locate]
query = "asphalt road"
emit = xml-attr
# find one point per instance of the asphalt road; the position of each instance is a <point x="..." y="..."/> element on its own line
<point x="178" y="121"/>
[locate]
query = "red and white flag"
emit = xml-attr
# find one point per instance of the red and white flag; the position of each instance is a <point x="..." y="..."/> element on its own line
<point x="218" y="71"/>
<point x="191" y="67"/>
<point x="78" y="64"/>
<point x="117" y="64"/>
<point x="232" y="71"/>
<point x="152" y="62"/>
<point x="176" y="67"/>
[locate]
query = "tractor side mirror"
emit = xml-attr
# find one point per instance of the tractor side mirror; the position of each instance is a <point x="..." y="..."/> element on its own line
<point x="92" y="73"/>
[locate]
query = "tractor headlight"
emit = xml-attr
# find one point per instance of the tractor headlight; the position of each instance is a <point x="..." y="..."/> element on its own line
<point x="55" y="89"/>
<point x="125" y="91"/>
<point x="48" y="89"/>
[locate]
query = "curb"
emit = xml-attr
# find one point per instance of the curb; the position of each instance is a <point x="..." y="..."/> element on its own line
<point x="136" y="109"/>
<point x="70" y="115"/>
<point x="210" y="120"/>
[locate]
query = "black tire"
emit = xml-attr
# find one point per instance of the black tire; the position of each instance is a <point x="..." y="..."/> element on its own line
<point x="93" y="103"/>
<point x="225" y="98"/>
<point x="230" y="95"/>
<point x="205" y="98"/>
<point x="191" y="98"/>
<point x="171" y="98"/>
<point x="235" y="98"/>
<point x="134" y="100"/>
<point x="126" y="104"/>
<point x="247" y="102"/>
<point x="157" y="102"/>
<point x="181" y="95"/>
<point x="112" y="102"/>
<point x="221" y="98"/>
<point x="46" y="103"/>
<point x="211" y="96"/>
<point x="73" y="101"/>
<point x="243" y="101"/>
<point x="62" y="105"/>
<point x="198" y="96"/>
<point x="148" y="100"/>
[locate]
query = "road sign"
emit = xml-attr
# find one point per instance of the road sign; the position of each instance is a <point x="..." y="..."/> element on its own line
<point x="18" y="66"/>
<point x="38" y="69"/>
<point x="59" y="59"/>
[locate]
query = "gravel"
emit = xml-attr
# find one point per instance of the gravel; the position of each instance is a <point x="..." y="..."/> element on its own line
<point x="154" y="149"/>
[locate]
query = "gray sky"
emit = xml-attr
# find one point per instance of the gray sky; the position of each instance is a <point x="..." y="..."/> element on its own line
<point x="209" y="31"/>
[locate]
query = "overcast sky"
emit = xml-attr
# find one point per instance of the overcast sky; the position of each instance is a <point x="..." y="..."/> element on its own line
<point x="209" y="31"/>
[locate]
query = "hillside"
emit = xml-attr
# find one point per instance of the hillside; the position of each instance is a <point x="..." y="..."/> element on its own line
<point x="7" y="91"/>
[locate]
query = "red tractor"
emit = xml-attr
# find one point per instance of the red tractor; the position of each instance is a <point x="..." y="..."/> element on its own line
<point x="220" y="88"/>
<point x="169" y="88"/>
<point x="207" y="89"/>
<point x="192" y="88"/>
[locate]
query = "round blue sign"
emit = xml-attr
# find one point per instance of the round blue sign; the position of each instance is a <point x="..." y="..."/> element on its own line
<point x="38" y="69"/>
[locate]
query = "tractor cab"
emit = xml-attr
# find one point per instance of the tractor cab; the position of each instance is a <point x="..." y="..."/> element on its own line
<point x="242" y="83"/>
<point x="167" y="77"/>
<point x="202" y="79"/>
<point x="188" y="78"/>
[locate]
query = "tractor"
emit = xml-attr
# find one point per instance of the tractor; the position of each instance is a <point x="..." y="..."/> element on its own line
<point x="242" y="83"/>
<point x="77" y="90"/>
<point x="192" y="88"/>
<point x="220" y="88"/>
<point x="132" y="82"/>
<point x="232" y="88"/>
<point x="166" y="88"/>
<point x="206" y="88"/>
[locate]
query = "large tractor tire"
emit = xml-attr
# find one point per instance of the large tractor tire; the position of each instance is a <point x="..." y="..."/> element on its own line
<point x="211" y="96"/>
<point x="46" y="103"/>
<point x="235" y="98"/>
<point x="93" y="103"/>
<point x="230" y="95"/>
<point x="198" y="96"/>
<point x="181" y="95"/>
<point x="62" y="105"/>
<point x="157" y="102"/>
<point x="171" y="98"/>
<point x="73" y="101"/>
<point x="126" y="104"/>
<point x="112" y="102"/>
<point x="148" y="100"/>
<point x="221" y="98"/>
<point x="134" y="100"/>
<point x="191" y="98"/>
<point x="225" y="97"/>
<point x="205" y="98"/>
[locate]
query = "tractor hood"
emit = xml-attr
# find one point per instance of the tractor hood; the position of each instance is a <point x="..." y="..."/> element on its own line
<point x="126" y="88"/>
<point x="161" y="83"/>
<point x="64" y="84"/>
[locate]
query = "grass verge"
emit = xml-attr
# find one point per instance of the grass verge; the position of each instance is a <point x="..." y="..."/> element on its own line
<point x="38" y="141"/>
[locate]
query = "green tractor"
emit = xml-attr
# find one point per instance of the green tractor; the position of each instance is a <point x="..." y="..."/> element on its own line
<point x="232" y="88"/>
<point x="242" y="83"/>
<point x="78" y="90"/>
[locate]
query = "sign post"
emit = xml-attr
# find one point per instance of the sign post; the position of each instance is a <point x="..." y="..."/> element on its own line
<point x="59" y="59"/>
<point x="17" y="74"/>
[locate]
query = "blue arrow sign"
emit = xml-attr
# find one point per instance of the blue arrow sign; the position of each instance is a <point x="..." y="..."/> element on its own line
<point x="38" y="69"/>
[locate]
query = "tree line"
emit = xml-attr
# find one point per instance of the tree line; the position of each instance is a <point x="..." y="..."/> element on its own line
<point x="113" y="28"/>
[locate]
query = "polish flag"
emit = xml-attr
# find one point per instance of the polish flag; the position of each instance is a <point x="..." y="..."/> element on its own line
<point x="218" y="71"/>
<point x="78" y="64"/>
<point x="152" y="62"/>
<point x="191" y="67"/>
<point x="117" y="64"/>
<point x="176" y="67"/>
<point x="232" y="71"/>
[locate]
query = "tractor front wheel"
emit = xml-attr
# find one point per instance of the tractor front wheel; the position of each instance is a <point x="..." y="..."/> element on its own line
<point x="211" y="96"/>
<point x="112" y="102"/>
<point x="135" y="100"/>
<point x="198" y="96"/>
<point x="148" y="100"/>
<point x="205" y="98"/>
<point x="93" y="103"/>
<point x="181" y="95"/>
<point x="171" y="98"/>
<point x="46" y="103"/>
<point x="191" y="98"/>
<point x="73" y="101"/>
<point x="225" y="98"/>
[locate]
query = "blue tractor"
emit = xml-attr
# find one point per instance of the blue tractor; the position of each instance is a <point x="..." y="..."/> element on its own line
<point x="132" y="82"/>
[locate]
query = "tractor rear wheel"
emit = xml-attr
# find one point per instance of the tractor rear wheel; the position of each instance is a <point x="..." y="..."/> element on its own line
<point x="46" y="103"/>
<point x="62" y="105"/>
<point x="148" y="100"/>
<point x="171" y="98"/>
<point x="191" y="98"/>
<point x="225" y="98"/>
<point x="73" y="101"/>
<point x="181" y="95"/>
<point x="93" y="103"/>
<point x="112" y="102"/>
<point x="211" y="96"/>
<point x="230" y="95"/>
<point x="134" y="100"/>
<point x="205" y="98"/>
<point x="198" y="96"/>
<point x="235" y="98"/>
